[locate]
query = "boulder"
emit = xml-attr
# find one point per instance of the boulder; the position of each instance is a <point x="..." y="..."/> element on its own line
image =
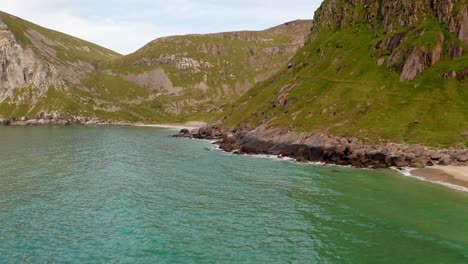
<point x="399" y="162"/>
<point x="462" y="158"/>
<point x="435" y="155"/>
<point x="316" y="154"/>
<point x="417" y="149"/>
<point x="410" y="155"/>
<point x="229" y="138"/>
<point x="444" y="162"/>
<point x="184" y="133"/>
<point x="380" y="157"/>
<point x="340" y="150"/>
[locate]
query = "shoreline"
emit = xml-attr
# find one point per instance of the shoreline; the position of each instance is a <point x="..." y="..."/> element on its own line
<point x="91" y="122"/>
<point x="455" y="177"/>
<point x="448" y="167"/>
<point x="189" y="126"/>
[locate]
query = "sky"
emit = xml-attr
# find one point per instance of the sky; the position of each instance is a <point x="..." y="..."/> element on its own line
<point x="127" y="25"/>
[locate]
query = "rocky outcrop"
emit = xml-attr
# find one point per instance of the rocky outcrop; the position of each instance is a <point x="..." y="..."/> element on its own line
<point x="320" y="147"/>
<point x="460" y="75"/>
<point x="21" y="67"/>
<point x="406" y="44"/>
<point x="52" y="119"/>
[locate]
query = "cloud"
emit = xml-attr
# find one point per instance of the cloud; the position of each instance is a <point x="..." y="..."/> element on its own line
<point x="126" y="25"/>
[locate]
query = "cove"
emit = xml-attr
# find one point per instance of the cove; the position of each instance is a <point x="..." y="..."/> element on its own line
<point x="137" y="195"/>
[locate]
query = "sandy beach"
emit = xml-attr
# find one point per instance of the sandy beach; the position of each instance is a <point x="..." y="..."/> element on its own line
<point x="452" y="175"/>
<point x="190" y="125"/>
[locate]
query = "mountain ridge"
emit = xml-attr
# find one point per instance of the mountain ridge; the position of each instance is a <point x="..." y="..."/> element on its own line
<point x="72" y="77"/>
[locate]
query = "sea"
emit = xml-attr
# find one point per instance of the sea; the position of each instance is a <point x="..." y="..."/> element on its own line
<point x="138" y="195"/>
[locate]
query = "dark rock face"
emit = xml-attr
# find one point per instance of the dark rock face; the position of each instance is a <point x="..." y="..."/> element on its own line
<point x="320" y="147"/>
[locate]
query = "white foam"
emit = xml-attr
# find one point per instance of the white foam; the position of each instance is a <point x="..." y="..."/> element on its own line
<point x="407" y="172"/>
<point x="404" y="171"/>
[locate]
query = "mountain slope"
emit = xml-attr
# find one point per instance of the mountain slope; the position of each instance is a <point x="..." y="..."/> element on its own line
<point x="392" y="70"/>
<point x="36" y="63"/>
<point x="168" y="80"/>
<point x="196" y="75"/>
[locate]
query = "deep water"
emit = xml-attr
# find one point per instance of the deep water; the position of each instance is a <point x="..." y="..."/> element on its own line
<point x="136" y="195"/>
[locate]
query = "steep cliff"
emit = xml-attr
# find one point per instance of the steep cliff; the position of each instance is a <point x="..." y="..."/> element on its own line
<point x="379" y="70"/>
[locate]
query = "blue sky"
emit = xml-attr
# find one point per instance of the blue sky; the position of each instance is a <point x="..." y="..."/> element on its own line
<point x="126" y="25"/>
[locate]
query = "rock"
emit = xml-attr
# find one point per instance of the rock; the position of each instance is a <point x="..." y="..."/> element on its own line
<point x="316" y="154"/>
<point x="204" y="132"/>
<point x="194" y="132"/>
<point x="416" y="63"/>
<point x="379" y="166"/>
<point x="380" y="62"/>
<point x="380" y="157"/>
<point x="184" y="133"/>
<point x="450" y="75"/>
<point x="417" y="149"/>
<point x="435" y="155"/>
<point x="400" y="162"/>
<point x="455" y="52"/>
<point x="463" y="158"/>
<point x="418" y="165"/>
<point x="444" y="162"/>
<point x="340" y="150"/>
<point x="410" y="155"/>
<point x="229" y="138"/>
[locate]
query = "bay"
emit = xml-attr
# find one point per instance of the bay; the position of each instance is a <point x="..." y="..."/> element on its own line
<point x="137" y="195"/>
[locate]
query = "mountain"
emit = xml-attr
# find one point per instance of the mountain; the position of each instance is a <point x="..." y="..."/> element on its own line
<point x="45" y="72"/>
<point x="377" y="70"/>
<point x="198" y="75"/>
<point x="36" y="63"/>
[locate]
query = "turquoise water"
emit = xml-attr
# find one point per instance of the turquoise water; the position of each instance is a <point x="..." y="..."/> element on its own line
<point x="135" y="195"/>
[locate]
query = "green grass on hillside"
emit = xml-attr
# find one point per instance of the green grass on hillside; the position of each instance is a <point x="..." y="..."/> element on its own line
<point x="340" y="89"/>
<point x="67" y="48"/>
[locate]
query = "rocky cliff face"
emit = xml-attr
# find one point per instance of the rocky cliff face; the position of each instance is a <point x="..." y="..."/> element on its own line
<point x="21" y="68"/>
<point x="412" y="33"/>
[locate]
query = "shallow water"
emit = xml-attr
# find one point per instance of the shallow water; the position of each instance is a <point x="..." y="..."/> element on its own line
<point x="135" y="195"/>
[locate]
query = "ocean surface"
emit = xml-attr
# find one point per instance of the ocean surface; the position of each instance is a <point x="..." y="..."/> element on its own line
<point x="136" y="195"/>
